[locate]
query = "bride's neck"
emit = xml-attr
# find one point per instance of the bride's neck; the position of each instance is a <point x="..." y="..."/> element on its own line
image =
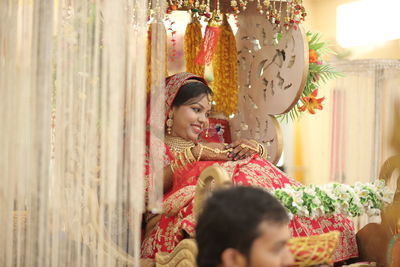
<point x="178" y="143"/>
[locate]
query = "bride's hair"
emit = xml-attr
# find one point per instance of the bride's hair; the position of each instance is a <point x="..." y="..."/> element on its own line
<point x="191" y="90"/>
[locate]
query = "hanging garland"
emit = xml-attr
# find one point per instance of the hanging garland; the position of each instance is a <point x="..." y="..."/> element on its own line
<point x="201" y="51"/>
<point x="148" y="55"/>
<point x="272" y="9"/>
<point x="210" y="41"/>
<point x="225" y="85"/>
<point x="191" y="46"/>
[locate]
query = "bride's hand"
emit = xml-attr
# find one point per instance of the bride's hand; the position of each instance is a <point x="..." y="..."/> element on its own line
<point x="211" y="151"/>
<point x="243" y="148"/>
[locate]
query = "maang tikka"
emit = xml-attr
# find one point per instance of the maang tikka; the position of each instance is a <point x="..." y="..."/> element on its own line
<point x="169" y="123"/>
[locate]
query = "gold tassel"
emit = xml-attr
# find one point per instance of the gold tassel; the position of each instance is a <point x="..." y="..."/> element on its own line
<point x="148" y="51"/>
<point x="225" y="84"/>
<point x="210" y="41"/>
<point x="191" y="46"/>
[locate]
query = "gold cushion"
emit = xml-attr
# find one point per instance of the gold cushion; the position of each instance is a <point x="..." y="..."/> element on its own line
<point x="314" y="250"/>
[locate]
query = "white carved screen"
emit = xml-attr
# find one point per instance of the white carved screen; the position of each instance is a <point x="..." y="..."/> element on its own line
<point x="272" y="76"/>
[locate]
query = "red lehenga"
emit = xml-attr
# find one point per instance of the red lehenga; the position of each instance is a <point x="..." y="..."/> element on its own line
<point x="177" y="220"/>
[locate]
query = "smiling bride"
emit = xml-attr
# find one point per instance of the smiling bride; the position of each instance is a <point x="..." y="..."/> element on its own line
<point x="188" y="105"/>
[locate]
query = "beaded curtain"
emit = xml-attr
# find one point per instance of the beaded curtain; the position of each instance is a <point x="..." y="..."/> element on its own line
<point x="72" y="114"/>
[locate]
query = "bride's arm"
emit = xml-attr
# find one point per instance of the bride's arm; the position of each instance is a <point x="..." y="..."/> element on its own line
<point x="212" y="151"/>
<point x="244" y="148"/>
<point x="167" y="178"/>
<point x="201" y="152"/>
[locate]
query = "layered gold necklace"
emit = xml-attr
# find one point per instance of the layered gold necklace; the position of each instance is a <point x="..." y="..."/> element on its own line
<point x="178" y="144"/>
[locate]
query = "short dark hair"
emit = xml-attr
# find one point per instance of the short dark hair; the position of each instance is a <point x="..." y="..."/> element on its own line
<point x="231" y="219"/>
<point x="189" y="91"/>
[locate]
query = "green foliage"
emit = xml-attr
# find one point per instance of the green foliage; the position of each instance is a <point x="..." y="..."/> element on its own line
<point x="318" y="74"/>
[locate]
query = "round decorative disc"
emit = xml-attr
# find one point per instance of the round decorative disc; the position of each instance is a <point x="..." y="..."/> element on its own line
<point x="273" y="71"/>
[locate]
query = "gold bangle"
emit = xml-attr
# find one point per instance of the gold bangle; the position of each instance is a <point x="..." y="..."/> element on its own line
<point x="217" y="150"/>
<point x="249" y="147"/>
<point x="262" y="151"/>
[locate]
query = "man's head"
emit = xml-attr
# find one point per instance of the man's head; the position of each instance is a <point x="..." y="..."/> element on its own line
<point x="243" y="226"/>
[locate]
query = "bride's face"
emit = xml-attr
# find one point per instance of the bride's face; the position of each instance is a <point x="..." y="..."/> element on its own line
<point x="190" y="119"/>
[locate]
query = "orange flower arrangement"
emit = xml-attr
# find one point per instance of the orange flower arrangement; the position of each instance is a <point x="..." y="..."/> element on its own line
<point x="311" y="102"/>
<point x="319" y="72"/>
<point x="313" y="56"/>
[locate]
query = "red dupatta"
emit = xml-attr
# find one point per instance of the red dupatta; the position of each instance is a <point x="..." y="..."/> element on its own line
<point x="153" y="137"/>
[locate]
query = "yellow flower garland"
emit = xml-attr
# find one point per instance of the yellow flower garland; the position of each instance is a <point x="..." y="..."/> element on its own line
<point x="225" y="85"/>
<point x="192" y="44"/>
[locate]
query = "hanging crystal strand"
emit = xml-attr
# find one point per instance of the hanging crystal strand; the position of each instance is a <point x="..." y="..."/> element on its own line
<point x="25" y="81"/>
<point x="113" y="112"/>
<point x="136" y="114"/>
<point x="157" y="117"/>
<point x="286" y="20"/>
<point x="8" y="161"/>
<point x="8" y="24"/>
<point x="41" y="97"/>
<point x="278" y="22"/>
<point x="51" y="215"/>
<point x="39" y="113"/>
<point x="273" y="12"/>
<point x="67" y="178"/>
<point x="73" y="56"/>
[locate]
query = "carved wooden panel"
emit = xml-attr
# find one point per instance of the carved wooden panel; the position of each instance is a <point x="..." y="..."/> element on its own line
<point x="271" y="77"/>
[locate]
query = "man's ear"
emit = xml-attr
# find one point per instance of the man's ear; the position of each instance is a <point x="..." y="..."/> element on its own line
<point x="233" y="258"/>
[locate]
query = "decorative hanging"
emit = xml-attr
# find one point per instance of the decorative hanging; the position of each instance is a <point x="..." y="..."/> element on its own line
<point x="148" y="55"/>
<point x="293" y="10"/>
<point x="192" y="40"/>
<point x="156" y="120"/>
<point x="148" y="59"/>
<point x="225" y="85"/>
<point x="210" y="40"/>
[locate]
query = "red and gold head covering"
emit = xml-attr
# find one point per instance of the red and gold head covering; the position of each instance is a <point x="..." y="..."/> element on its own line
<point x="174" y="83"/>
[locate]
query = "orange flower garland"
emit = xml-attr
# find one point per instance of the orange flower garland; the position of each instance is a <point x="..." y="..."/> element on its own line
<point x="191" y="46"/>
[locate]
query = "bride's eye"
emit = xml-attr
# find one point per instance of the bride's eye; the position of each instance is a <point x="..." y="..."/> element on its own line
<point x="196" y="109"/>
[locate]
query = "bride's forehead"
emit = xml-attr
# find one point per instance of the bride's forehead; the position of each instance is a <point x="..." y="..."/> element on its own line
<point x="204" y="100"/>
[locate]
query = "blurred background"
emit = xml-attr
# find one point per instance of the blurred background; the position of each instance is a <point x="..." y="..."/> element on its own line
<point x="349" y="139"/>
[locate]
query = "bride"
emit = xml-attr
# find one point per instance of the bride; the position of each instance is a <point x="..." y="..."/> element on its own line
<point x="188" y="105"/>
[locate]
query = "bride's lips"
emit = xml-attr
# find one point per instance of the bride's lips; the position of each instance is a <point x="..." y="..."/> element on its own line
<point x="196" y="128"/>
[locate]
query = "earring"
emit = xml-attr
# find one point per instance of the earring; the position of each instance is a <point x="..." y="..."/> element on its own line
<point x="169" y="123"/>
<point x="207" y="133"/>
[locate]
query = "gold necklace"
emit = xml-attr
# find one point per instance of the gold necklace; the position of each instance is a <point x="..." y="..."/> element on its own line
<point x="178" y="144"/>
